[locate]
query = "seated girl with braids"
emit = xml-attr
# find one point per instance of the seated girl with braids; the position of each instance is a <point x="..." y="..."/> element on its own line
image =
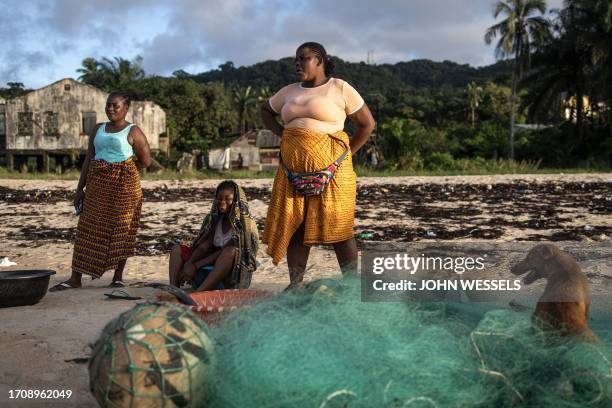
<point x="222" y="256"/>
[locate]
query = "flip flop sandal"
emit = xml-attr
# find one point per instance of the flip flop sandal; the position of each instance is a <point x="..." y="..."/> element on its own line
<point x="62" y="286"/>
<point x="121" y="294"/>
<point x="117" y="284"/>
<point x="138" y="284"/>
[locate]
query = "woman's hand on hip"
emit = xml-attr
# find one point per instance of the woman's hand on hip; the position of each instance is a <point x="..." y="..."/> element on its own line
<point x="365" y="125"/>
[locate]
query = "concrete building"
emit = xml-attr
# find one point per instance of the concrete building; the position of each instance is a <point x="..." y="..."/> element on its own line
<point x="55" y="121"/>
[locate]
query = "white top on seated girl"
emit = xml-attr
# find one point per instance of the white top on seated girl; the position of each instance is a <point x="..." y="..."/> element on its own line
<point x="221" y="239"/>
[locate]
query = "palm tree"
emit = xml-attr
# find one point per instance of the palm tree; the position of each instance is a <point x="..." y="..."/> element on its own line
<point x="91" y="72"/>
<point x="575" y="61"/>
<point x="474" y="93"/>
<point x="264" y="94"/>
<point x="109" y="74"/>
<point x="596" y="26"/>
<point x="122" y="72"/>
<point x="246" y="101"/>
<point x="517" y="34"/>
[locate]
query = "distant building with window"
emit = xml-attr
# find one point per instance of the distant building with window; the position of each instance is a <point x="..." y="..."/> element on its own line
<point x="591" y="109"/>
<point x="56" y="120"/>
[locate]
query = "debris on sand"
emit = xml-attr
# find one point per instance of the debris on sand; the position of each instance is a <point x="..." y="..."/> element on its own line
<point x="549" y="210"/>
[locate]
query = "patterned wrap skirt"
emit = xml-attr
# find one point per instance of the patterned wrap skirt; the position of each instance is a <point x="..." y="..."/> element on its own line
<point x="328" y="218"/>
<point x="106" y="232"/>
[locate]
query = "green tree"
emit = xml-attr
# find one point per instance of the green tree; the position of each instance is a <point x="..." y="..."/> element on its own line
<point x="474" y="94"/>
<point x="122" y="73"/>
<point x="92" y="73"/>
<point x="198" y="116"/>
<point x="558" y="73"/>
<point x="264" y="94"/>
<point x="112" y="74"/>
<point x="574" y="62"/>
<point x="593" y="18"/>
<point x="517" y="33"/>
<point x="495" y="105"/>
<point x="14" y="89"/>
<point x="202" y="113"/>
<point x="246" y="105"/>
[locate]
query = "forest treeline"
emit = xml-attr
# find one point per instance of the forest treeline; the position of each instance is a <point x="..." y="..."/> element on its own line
<point x="554" y="74"/>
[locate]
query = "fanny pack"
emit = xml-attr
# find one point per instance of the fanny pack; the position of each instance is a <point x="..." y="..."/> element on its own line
<point x="313" y="183"/>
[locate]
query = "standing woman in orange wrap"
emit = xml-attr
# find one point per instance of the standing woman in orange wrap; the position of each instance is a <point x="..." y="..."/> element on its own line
<point x="313" y="111"/>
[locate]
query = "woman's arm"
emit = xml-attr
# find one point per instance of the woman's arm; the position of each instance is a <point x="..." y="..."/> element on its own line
<point x="91" y="152"/>
<point x="365" y="125"/>
<point x="141" y="147"/>
<point x="269" y="119"/>
<point x="191" y="267"/>
<point x="201" y="250"/>
<point x="210" y="259"/>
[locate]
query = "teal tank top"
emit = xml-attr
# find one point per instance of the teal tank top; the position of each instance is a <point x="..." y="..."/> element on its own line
<point x="113" y="147"/>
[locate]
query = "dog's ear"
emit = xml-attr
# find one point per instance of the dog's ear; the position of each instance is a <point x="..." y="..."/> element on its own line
<point x="547" y="252"/>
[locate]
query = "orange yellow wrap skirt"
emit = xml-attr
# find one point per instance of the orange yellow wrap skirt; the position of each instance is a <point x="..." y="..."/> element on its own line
<point x="328" y="218"/>
<point x="106" y="232"/>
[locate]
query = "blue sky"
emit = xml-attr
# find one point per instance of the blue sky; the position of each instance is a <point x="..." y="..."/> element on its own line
<point x="43" y="41"/>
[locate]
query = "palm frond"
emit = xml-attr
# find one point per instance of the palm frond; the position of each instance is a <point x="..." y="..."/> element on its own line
<point x="502" y="8"/>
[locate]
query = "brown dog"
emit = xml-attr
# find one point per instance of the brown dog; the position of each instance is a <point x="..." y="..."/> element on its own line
<point x="564" y="305"/>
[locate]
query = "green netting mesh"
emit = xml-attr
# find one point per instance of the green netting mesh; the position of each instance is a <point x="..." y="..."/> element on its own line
<point x="152" y="355"/>
<point x="324" y="347"/>
<point x="331" y="349"/>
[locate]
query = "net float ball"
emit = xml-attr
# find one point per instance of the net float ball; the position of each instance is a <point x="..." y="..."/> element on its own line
<point x="154" y="355"/>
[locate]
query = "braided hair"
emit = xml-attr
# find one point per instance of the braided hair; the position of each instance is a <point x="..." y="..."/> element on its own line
<point x="320" y="52"/>
<point x="123" y="95"/>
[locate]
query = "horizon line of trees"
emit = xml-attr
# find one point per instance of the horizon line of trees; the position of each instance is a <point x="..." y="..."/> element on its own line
<point x="555" y="69"/>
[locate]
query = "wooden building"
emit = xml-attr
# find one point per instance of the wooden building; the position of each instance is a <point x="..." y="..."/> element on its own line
<point x="269" y="149"/>
<point x="55" y="121"/>
<point x="256" y="150"/>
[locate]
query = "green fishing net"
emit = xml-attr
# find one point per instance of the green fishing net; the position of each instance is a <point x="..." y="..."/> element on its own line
<point x="321" y="346"/>
<point x="152" y="355"/>
<point x="324" y="347"/>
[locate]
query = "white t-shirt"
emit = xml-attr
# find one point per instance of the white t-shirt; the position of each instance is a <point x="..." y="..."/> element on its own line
<point x="323" y="108"/>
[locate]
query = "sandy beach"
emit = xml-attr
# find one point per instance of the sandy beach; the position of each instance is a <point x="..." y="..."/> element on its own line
<point x="44" y="345"/>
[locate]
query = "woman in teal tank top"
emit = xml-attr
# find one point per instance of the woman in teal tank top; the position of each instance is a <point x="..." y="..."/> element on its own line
<point x="109" y="196"/>
<point x="113" y="147"/>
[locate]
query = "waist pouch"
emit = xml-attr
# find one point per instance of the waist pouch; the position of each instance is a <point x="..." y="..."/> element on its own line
<point x="313" y="183"/>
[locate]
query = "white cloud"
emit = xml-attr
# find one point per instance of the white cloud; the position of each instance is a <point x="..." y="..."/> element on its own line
<point x="48" y="38"/>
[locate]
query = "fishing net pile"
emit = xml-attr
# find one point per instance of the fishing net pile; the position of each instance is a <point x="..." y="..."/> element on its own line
<point x="321" y="346"/>
<point x="325" y="347"/>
